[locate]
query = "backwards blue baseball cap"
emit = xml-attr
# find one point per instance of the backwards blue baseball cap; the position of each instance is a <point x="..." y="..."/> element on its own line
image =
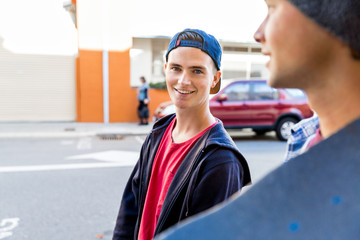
<point x="209" y="45"/>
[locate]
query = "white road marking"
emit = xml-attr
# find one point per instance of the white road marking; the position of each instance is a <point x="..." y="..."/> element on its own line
<point x="63" y="167"/>
<point x="109" y="156"/>
<point x="111" y="159"/>
<point x="5" y="234"/>
<point x="6" y="225"/>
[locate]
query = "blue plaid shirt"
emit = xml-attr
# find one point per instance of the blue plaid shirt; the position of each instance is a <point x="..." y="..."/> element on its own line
<point x="301" y="134"/>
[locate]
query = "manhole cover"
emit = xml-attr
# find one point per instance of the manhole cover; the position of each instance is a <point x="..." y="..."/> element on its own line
<point x="110" y="137"/>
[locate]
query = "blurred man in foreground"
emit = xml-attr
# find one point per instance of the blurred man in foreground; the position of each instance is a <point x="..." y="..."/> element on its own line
<point x="313" y="45"/>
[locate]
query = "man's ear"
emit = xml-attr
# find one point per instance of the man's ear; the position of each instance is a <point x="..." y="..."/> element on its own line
<point x="165" y="66"/>
<point x="216" y="79"/>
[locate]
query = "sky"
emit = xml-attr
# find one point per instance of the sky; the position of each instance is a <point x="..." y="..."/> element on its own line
<point x="235" y="20"/>
<point x="37" y="26"/>
<point x="45" y="27"/>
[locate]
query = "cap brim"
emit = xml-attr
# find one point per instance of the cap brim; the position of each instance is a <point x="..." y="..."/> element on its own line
<point x="216" y="89"/>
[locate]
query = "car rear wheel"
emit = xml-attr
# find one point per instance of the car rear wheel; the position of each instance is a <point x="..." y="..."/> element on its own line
<point x="283" y="128"/>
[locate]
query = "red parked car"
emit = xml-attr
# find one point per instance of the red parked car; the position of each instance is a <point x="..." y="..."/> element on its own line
<point x="254" y="104"/>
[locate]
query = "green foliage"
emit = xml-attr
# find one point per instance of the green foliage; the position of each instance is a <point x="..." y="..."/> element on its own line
<point x="158" y="85"/>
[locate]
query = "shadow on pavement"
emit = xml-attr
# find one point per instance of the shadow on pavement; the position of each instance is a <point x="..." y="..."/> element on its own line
<point x="248" y="135"/>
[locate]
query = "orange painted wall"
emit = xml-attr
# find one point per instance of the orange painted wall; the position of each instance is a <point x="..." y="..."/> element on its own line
<point x="157" y="96"/>
<point x="122" y="97"/>
<point x="89" y="86"/>
<point x="77" y="89"/>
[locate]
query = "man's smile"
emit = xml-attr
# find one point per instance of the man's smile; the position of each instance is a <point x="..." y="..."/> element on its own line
<point x="183" y="91"/>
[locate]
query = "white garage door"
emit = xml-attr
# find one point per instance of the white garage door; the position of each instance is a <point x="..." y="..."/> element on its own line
<point x="36" y="87"/>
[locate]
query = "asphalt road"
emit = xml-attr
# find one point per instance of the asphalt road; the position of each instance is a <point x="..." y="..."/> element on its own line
<point x="71" y="188"/>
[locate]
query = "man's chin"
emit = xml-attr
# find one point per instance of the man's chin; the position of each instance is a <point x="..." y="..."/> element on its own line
<point x="272" y="82"/>
<point x="277" y="82"/>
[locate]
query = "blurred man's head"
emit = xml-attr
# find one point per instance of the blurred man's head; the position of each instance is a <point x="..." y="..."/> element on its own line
<point x="339" y="17"/>
<point x="303" y="37"/>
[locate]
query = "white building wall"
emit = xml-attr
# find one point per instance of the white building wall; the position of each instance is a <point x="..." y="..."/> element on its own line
<point x="104" y="24"/>
<point x="245" y="63"/>
<point x="141" y="61"/>
<point x="235" y="64"/>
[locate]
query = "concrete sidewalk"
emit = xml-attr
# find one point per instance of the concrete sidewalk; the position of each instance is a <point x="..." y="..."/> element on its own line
<point x="70" y="129"/>
<point x="76" y="129"/>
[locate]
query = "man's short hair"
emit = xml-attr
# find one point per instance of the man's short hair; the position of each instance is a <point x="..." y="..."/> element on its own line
<point x="194" y="37"/>
<point x="190" y="36"/>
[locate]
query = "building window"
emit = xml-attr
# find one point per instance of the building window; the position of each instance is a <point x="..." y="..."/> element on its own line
<point x="235" y="49"/>
<point x="256" y="50"/>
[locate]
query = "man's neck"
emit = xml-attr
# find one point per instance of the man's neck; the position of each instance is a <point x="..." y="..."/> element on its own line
<point x="337" y="101"/>
<point x="191" y="123"/>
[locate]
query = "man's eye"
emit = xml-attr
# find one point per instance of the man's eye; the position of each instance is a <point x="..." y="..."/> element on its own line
<point x="175" y="69"/>
<point x="198" y="71"/>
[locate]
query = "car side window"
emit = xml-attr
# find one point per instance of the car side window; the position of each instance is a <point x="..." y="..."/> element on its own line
<point x="238" y="92"/>
<point x="262" y="91"/>
<point x="295" y="93"/>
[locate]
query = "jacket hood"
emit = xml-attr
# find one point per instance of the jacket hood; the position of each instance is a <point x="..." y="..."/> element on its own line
<point x="216" y="137"/>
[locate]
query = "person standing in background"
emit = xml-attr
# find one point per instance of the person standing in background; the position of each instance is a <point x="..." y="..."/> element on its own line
<point x="143" y="98"/>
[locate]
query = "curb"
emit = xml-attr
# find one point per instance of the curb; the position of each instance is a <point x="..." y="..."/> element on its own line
<point x="15" y="135"/>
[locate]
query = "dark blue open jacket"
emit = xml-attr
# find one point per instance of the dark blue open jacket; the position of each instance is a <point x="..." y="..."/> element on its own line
<point x="211" y="172"/>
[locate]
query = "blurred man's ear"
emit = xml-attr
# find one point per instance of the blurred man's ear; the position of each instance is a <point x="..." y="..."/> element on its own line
<point x="355" y="54"/>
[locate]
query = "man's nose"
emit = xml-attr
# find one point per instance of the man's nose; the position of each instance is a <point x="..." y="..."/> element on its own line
<point x="259" y="35"/>
<point x="184" y="78"/>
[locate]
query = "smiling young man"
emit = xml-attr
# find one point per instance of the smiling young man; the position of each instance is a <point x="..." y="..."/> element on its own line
<point x="188" y="163"/>
<point x="313" y="45"/>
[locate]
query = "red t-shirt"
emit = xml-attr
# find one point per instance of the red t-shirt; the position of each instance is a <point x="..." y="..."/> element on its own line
<point x="167" y="161"/>
<point x="318" y="138"/>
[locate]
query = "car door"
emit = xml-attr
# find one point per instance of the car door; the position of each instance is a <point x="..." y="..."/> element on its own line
<point x="264" y="104"/>
<point x="231" y="105"/>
